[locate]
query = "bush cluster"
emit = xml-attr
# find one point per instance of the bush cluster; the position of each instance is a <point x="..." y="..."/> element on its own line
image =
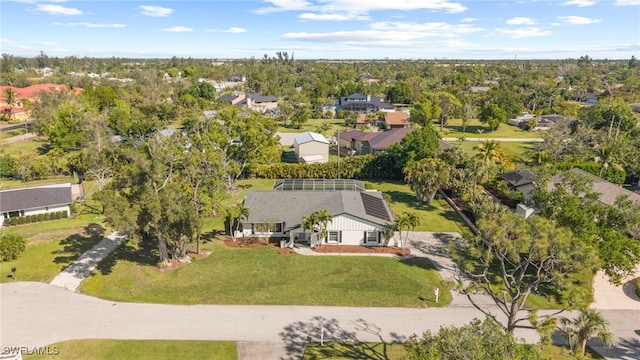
<point x="11" y="246"/>
<point x="612" y="174"/>
<point x="35" y="218"/>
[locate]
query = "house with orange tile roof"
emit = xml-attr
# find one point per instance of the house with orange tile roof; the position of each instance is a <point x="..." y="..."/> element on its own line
<point x="395" y="120"/>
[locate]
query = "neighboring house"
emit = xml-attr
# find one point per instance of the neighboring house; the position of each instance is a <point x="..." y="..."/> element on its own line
<point x="356" y="142"/>
<point x="359" y="216"/>
<point x="522" y="181"/>
<point x="35" y="200"/>
<point x="396" y="120"/>
<point x="18" y="110"/>
<point x="585" y="98"/>
<point x="521" y="120"/>
<point x="608" y="191"/>
<point x="362" y="104"/>
<point x="252" y="101"/>
<point x="311" y="147"/>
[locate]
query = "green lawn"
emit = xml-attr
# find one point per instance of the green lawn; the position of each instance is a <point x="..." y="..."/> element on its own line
<point x="141" y="349"/>
<point x="313" y="124"/>
<point x="478" y="129"/>
<point x="517" y="151"/>
<point x="437" y="216"/>
<point x="51" y="247"/>
<point x="26" y="146"/>
<point x="261" y="276"/>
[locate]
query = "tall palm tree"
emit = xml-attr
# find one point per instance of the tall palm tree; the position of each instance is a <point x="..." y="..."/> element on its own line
<point x="323" y="218"/>
<point x="401" y="223"/>
<point x="237" y="213"/>
<point x="588" y="324"/>
<point x="10" y="98"/>
<point x="489" y="152"/>
<point x="413" y="221"/>
<point x="308" y="223"/>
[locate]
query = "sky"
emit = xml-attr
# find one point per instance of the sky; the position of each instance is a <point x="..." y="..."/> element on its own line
<point x="323" y="29"/>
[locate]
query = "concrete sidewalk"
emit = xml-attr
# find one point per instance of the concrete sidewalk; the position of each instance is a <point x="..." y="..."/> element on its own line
<point x="71" y="277"/>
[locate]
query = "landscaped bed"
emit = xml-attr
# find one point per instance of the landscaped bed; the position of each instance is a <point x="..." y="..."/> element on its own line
<point x="355" y="249"/>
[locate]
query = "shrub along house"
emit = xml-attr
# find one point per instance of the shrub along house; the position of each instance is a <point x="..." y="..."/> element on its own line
<point x="359" y="216"/>
<point x="34" y="201"/>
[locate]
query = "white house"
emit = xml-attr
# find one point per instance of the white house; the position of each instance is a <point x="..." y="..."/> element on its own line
<point x="35" y="200"/>
<point x="359" y="216"/>
<point x="311" y="147"/>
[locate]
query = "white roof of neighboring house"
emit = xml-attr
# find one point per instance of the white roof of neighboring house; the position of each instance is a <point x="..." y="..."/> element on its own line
<point x="309" y="136"/>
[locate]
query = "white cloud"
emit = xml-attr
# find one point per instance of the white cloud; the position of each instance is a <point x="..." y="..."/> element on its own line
<point x="235" y="30"/>
<point x="5" y="41"/>
<point x="425" y="29"/>
<point x="157" y="11"/>
<point x="177" y="29"/>
<point x="520" y="33"/>
<point x="90" y="25"/>
<point x="577" y="20"/>
<point x="37" y="1"/>
<point x="58" y="10"/>
<point x="360" y="7"/>
<point x="521" y="21"/>
<point x="627" y="3"/>
<point x="466" y="20"/>
<point x="333" y="17"/>
<point x="579" y="3"/>
<point x="46" y="43"/>
<point x="21" y="47"/>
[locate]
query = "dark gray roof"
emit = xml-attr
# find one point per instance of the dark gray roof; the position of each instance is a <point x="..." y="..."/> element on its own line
<point x="518" y="178"/>
<point x="227" y="98"/>
<point x="35" y="197"/>
<point x="260" y="99"/>
<point x="291" y="206"/>
<point x="608" y="191"/>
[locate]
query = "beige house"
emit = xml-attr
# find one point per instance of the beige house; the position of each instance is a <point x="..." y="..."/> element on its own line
<point x="311" y="148"/>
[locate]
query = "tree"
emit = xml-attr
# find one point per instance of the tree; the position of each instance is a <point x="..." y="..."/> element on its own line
<point x="479" y="340"/>
<point x="417" y="145"/>
<point x="514" y="258"/>
<point x="300" y="116"/>
<point x="11" y="246"/>
<point x="587" y="325"/>
<point x="425" y="177"/>
<point x="407" y="221"/>
<point x="309" y="223"/>
<point x="322" y="218"/>
<point x="493" y="115"/>
<point x="469" y="112"/>
<point x="489" y="152"/>
<point x="449" y="106"/>
<point x="423" y="112"/>
<point x="400" y="93"/>
<point x="10" y="97"/>
<point x="234" y="216"/>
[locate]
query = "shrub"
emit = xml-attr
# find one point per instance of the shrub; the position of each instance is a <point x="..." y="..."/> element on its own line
<point x="638" y="286"/>
<point x="11" y="246"/>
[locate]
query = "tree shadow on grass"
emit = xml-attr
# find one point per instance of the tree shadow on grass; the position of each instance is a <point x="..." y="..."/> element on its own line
<point x="75" y="245"/>
<point x="300" y="333"/>
<point x="141" y="253"/>
<point x="44" y="149"/>
<point x="409" y="199"/>
<point x="210" y="236"/>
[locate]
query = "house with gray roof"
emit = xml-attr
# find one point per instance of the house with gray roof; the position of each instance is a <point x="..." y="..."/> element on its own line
<point x="522" y="181"/>
<point x="359" y="216"/>
<point x="35" y="200"/>
<point x="363" y="104"/>
<point x="608" y="191"/>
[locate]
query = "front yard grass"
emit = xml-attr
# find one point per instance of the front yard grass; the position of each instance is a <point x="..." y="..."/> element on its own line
<point x="480" y="130"/>
<point x="101" y="349"/>
<point x="313" y="124"/>
<point x="261" y="276"/>
<point x="51" y="247"/>
<point x="519" y="152"/>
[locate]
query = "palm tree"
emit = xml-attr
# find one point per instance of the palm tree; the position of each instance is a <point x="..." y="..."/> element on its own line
<point x="308" y="223"/>
<point x="413" y="221"/>
<point x="236" y="214"/>
<point x="401" y="223"/>
<point x="322" y="218"/>
<point x="588" y="324"/>
<point x="489" y="151"/>
<point x="10" y="98"/>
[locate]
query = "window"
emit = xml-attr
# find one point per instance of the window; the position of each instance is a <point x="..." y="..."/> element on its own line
<point x="267" y="228"/>
<point x="371" y="236"/>
<point x="333" y="237"/>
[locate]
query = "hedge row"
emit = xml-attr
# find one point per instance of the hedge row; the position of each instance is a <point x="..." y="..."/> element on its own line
<point x="353" y="167"/>
<point x="35" y="218"/>
<point x="612" y="174"/>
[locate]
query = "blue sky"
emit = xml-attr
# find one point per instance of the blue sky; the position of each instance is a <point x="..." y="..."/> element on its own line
<point x="328" y="29"/>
